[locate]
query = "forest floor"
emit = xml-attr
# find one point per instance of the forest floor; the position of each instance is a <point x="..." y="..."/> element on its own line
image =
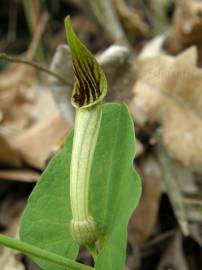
<point x="151" y="52"/>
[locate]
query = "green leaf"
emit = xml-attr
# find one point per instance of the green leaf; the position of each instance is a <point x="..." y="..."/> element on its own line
<point x="46" y="220"/>
<point x="90" y="85"/>
<point x="115" y="186"/>
<point x="114" y="193"/>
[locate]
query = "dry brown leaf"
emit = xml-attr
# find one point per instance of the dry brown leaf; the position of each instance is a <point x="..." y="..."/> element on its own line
<point x="120" y="72"/>
<point x="10" y="260"/>
<point x="8" y="155"/>
<point x="169" y="92"/>
<point x="187" y="27"/>
<point x="147" y="211"/>
<point x="62" y="64"/>
<point x="17" y="95"/>
<point x="36" y="144"/>
<point x="10" y="213"/>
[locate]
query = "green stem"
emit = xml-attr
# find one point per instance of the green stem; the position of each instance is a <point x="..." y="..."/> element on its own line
<point x="86" y="131"/>
<point x="41" y="253"/>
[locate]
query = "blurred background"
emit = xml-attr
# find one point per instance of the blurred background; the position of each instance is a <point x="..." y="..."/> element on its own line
<point x="151" y="51"/>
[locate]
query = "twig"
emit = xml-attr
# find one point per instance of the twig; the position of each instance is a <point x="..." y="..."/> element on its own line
<point x="173" y="191"/>
<point x="159" y="238"/>
<point x="6" y="57"/>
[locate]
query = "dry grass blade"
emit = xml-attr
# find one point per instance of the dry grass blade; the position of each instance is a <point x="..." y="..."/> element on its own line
<point x="172" y="189"/>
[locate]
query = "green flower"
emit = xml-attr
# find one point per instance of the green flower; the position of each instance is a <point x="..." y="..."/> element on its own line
<point x="90" y="85"/>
